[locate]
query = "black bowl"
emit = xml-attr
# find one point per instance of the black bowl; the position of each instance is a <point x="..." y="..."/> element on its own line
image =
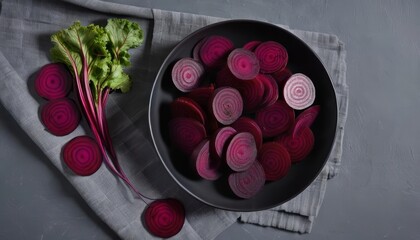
<point x="217" y="194"/>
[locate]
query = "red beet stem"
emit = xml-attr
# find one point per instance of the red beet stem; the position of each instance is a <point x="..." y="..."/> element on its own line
<point x="206" y="166"/>
<point x="186" y="74"/>
<point x="241" y="152"/>
<point x="226" y="105"/>
<point x="60" y="116"/>
<point x="248" y="183"/>
<point x="214" y="51"/>
<point x="53" y="81"/>
<point x="243" y="64"/>
<point x="275" y="119"/>
<point x="299" y="91"/>
<point x="82" y="155"/>
<point x="164" y="218"/>
<point x="300" y="146"/>
<point x="186" y="134"/>
<point x="272" y="55"/>
<point x="275" y="160"/>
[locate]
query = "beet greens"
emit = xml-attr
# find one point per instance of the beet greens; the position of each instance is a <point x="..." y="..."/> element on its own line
<point x="97" y="56"/>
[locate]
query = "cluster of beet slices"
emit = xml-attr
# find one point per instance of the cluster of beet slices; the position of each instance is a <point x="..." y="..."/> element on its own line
<point x="237" y="112"/>
<point x="61" y="116"/>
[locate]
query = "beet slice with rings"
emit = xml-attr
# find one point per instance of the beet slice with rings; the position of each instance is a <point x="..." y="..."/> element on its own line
<point x="202" y="95"/>
<point x="275" y="119"/>
<point x="60" y="116"/>
<point x="271" y="91"/>
<point x="272" y="56"/>
<point x="186" y="107"/>
<point x="299" y="91"/>
<point x="187" y="74"/>
<point x="243" y="64"/>
<point x="252" y="92"/>
<point x="53" y="81"/>
<point x="164" y="218"/>
<point x="305" y="119"/>
<point x="248" y="183"/>
<point x="251" y="45"/>
<point x="220" y="140"/>
<point x="226" y="105"/>
<point x="82" y="155"/>
<point x="275" y="159"/>
<point x="205" y="165"/>
<point x="186" y="134"/>
<point x="225" y="78"/>
<point x="214" y="51"/>
<point x="196" y="50"/>
<point x="246" y="124"/>
<point x="300" y="146"/>
<point x="241" y="152"/>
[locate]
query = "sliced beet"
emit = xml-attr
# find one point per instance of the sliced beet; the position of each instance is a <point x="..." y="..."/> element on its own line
<point x="275" y="160"/>
<point x="246" y="124"/>
<point x="82" y="155"/>
<point x="282" y="76"/>
<point x="186" y="107"/>
<point x="251" y="45"/>
<point x="226" y="105"/>
<point x="305" y="119"/>
<point x="214" y="51"/>
<point x="248" y="183"/>
<point x="252" y="92"/>
<point x="53" y="81"/>
<point x="220" y="140"/>
<point x="196" y="50"/>
<point x="299" y="91"/>
<point x="243" y="64"/>
<point x="164" y="218"/>
<point x="225" y="78"/>
<point x="186" y="74"/>
<point x="271" y="91"/>
<point x="186" y="134"/>
<point x="202" y="95"/>
<point x="275" y="119"/>
<point x="241" y="152"/>
<point x="206" y="166"/>
<point x="300" y="146"/>
<point x="60" y="116"/>
<point x="272" y="56"/>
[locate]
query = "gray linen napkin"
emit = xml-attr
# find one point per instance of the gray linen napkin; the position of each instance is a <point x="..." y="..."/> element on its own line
<point x="25" y="27"/>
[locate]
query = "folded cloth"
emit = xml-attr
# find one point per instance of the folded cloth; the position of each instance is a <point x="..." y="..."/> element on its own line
<point x="25" y="28"/>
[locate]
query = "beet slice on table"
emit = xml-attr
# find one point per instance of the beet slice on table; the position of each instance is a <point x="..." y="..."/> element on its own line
<point x="53" y="81"/>
<point x="82" y="155"/>
<point x="60" y="116"/>
<point x="164" y="218"/>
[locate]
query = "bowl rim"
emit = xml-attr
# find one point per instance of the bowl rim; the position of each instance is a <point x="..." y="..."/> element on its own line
<point x="162" y="70"/>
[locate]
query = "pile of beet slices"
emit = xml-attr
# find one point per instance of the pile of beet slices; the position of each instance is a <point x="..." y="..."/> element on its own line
<point x="242" y="112"/>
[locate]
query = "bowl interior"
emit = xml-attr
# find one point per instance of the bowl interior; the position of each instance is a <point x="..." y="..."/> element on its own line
<point x="217" y="193"/>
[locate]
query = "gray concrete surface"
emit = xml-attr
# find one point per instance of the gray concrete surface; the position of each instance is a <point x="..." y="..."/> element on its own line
<point x="375" y="196"/>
